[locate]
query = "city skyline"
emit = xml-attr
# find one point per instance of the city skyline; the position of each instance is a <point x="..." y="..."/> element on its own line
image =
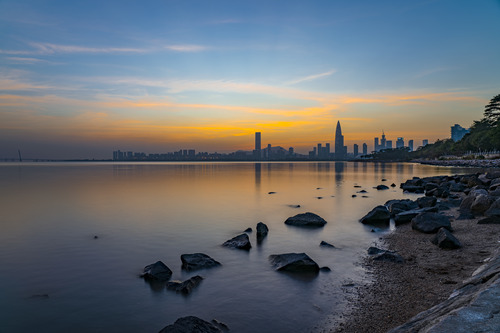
<point x="79" y="80"/>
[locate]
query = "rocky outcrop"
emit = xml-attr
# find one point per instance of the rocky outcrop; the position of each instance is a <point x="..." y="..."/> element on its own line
<point x="377" y="216"/>
<point x="399" y="206"/>
<point x="385" y="255"/>
<point x="241" y="242"/>
<point x="157" y="272"/>
<point x="193" y="324"/>
<point x="306" y="220"/>
<point x="426" y="202"/>
<point x="185" y="287"/>
<point x="474" y="307"/>
<point x="194" y="261"/>
<point x="445" y="240"/>
<point x="293" y="262"/>
<point x="430" y="223"/>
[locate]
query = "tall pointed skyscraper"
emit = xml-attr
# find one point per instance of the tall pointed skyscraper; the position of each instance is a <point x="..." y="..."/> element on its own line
<point x="339" y="143"/>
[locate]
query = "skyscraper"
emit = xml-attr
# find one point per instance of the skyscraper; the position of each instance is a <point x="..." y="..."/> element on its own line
<point x="339" y="143"/>
<point x="355" y="150"/>
<point x="400" y="142"/>
<point x="410" y="145"/>
<point x="257" y="153"/>
<point x="383" y="142"/>
<point x="365" y="149"/>
<point x="376" y="146"/>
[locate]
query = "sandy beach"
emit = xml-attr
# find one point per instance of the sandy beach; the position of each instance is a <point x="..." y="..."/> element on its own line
<point x="429" y="275"/>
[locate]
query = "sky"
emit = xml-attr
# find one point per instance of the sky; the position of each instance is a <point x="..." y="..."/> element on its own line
<point x="79" y="79"/>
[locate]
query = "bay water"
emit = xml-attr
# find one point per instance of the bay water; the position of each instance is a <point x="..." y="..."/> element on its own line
<point x="56" y="276"/>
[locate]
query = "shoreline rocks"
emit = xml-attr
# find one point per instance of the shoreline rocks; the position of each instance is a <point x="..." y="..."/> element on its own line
<point x="185" y="287"/>
<point x="194" y="261"/>
<point x="241" y="242"/>
<point x="195" y="324"/>
<point x="294" y="262"/>
<point x="377" y="216"/>
<point x="157" y="272"/>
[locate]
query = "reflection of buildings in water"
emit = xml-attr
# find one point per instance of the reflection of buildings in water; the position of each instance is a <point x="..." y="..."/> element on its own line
<point x="400" y="168"/>
<point x="257" y="168"/>
<point x="339" y="169"/>
<point x="355" y="166"/>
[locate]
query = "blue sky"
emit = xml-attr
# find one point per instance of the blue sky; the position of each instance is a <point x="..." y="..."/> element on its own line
<point x="79" y="79"/>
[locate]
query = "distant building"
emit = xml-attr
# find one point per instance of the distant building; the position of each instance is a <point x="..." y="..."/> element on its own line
<point x="376" y="145"/>
<point x="257" y="153"/>
<point x="410" y="145"/>
<point x="388" y="144"/>
<point x="340" y="149"/>
<point x="458" y="132"/>
<point x="425" y="142"/>
<point x="365" y="149"/>
<point x="400" y="143"/>
<point x="355" y="150"/>
<point x="383" y="142"/>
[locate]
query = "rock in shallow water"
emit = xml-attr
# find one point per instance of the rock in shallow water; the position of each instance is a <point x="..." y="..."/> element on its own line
<point x="241" y="242"/>
<point x="306" y="220"/>
<point x="193" y="324"/>
<point x="430" y="223"/>
<point x="378" y="215"/>
<point x="293" y="262"/>
<point x="185" y="287"/>
<point x="262" y="230"/>
<point x="195" y="261"/>
<point x="157" y="271"/>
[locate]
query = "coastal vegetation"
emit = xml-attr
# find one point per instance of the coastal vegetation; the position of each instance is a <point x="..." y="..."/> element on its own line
<point x="484" y="136"/>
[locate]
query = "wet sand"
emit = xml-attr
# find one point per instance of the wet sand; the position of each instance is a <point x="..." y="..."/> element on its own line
<point x="430" y="274"/>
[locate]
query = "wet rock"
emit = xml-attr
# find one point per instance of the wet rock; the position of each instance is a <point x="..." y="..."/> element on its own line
<point x="185" y="287"/>
<point x="294" y="206"/>
<point x="293" y="262"/>
<point x="354" y="195"/>
<point x="157" y="272"/>
<point x="384" y="255"/>
<point x="457" y="187"/>
<point x="382" y="187"/>
<point x="445" y="240"/>
<point x="306" y="220"/>
<point x="393" y="185"/>
<point x="325" y="244"/>
<point x="490" y="220"/>
<point x="262" y="230"/>
<point x="413" y="189"/>
<point x="363" y="191"/>
<point x="430" y="223"/>
<point x="426" y="202"/>
<point x="248" y="230"/>
<point x="384" y="180"/>
<point x="194" y="261"/>
<point x="241" y="242"/>
<point x="494" y="209"/>
<point x="193" y="324"/>
<point x="325" y="269"/>
<point x="378" y="215"/>
<point x="271" y="192"/>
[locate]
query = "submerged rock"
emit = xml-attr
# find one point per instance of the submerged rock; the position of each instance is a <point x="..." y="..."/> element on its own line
<point x="445" y="240"/>
<point x="325" y="244"/>
<point x="293" y="262"/>
<point x="378" y="215"/>
<point x="185" y="287"/>
<point x="157" y="271"/>
<point x="430" y="223"/>
<point x="196" y="261"/>
<point x="241" y="242"/>
<point x="193" y="324"/>
<point x="382" y="187"/>
<point x="306" y="220"/>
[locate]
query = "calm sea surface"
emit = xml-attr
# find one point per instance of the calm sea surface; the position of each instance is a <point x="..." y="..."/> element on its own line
<point x="145" y="212"/>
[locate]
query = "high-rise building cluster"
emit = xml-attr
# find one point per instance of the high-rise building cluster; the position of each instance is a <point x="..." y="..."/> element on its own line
<point x="458" y="132"/>
<point x="383" y="143"/>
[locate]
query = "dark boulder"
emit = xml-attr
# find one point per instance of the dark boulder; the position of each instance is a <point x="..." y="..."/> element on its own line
<point x="426" y="202"/>
<point x="293" y="262"/>
<point x="375" y="250"/>
<point x="398" y="206"/>
<point x="490" y="220"/>
<point x="445" y="240"/>
<point x="185" y="287"/>
<point x="378" y="215"/>
<point x="306" y="220"/>
<point x="325" y="244"/>
<point x="430" y="186"/>
<point x="413" y="188"/>
<point x="262" y="230"/>
<point x="325" y="269"/>
<point x="481" y="204"/>
<point x="393" y="185"/>
<point x="239" y="242"/>
<point x="193" y="324"/>
<point x="194" y="261"/>
<point x="494" y="209"/>
<point x="430" y="223"/>
<point x="248" y="230"/>
<point x="157" y="272"/>
<point x="457" y="187"/>
<point x="382" y="187"/>
<point x="407" y="216"/>
<point x="384" y="255"/>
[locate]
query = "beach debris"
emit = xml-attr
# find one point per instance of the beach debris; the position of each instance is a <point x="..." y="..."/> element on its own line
<point x="194" y="261"/>
<point x="306" y="220"/>
<point x="239" y="242"/>
<point x="157" y="272"/>
<point x="185" y="287"/>
<point x="195" y="324"/>
<point x="293" y="262"/>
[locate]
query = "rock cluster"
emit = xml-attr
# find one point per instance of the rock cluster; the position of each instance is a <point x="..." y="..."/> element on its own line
<point x="195" y="324"/>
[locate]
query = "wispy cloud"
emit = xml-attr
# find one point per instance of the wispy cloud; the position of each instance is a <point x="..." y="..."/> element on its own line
<point x="49" y="48"/>
<point x="186" y="48"/>
<point x="25" y="60"/>
<point x="312" y="77"/>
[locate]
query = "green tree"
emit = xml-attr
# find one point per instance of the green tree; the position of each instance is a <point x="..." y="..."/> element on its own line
<point x="492" y="110"/>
